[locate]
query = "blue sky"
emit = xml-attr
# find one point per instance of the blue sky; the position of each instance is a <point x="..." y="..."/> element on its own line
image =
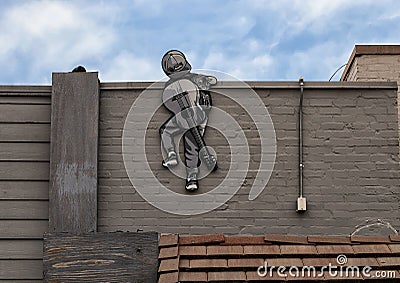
<point x="252" y="40"/>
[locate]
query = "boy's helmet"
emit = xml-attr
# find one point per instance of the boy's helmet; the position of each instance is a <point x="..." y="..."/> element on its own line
<point x="174" y="61"/>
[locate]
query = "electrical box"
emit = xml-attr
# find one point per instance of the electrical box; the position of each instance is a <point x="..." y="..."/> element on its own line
<point x="301" y="204"/>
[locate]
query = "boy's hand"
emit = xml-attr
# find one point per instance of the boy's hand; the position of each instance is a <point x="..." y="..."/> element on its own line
<point x="212" y="80"/>
<point x="204" y="82"/>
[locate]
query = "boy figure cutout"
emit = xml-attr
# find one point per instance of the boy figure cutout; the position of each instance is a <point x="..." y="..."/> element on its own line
<point x="186" y="95"/>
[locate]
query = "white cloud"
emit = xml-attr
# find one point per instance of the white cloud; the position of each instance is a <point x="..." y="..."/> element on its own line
<point x="243" y="66"/>
<point x="318" y="62"/>
<point x="239" y="24"/>
<point x="298" y="14"/>
<point x="128" y="67"/>
<point x="214" y="59"/>
<point x="253" y="39"/>
<point x="262" y="62"/>
<point x="52" y="34"/>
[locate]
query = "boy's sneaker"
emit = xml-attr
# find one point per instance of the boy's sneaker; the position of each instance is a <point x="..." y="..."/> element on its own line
<point x="171" y="160"/>
<point x="191" y="183"/>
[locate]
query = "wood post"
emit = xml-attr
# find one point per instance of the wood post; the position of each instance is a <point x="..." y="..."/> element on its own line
<point x="73" y="153"/>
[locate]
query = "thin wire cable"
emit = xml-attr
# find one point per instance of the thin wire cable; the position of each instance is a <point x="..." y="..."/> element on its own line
<point x="336" y="71"/>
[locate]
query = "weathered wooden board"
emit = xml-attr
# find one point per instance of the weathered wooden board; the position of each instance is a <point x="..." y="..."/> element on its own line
<point x="24" y="170"/>
<point x="101" y="257"/>
<point x="25" y="209"/>
<point x="74" y="149"/>
<point x="24" y="132"/>
<point x="28" y="100"/>
<point x="25" y="90"/>
<point x="23" y="229"/>
<point x="22" y="281"/>
<point x="21" y="269"/>
<point x="24" y="174"/>
<point x="24" y="190"/>
<point x="21" y="113"/>
<point x="21" y="249"/>
<point x="24" y="151"/>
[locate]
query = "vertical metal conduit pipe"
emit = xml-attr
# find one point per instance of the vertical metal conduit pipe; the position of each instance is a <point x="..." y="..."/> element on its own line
<point x="301" y="201"/>
<point x="301" y="165"/>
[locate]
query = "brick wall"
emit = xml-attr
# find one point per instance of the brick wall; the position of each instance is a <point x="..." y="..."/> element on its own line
<point x="374" y="63"/>
<point x="353" y="72"/>
<point x="376" y="68"/>
<point x="350" y="154"/>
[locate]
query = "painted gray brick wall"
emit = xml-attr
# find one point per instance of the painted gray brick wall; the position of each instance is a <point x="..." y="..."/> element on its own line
<point x="351" y="164"/>
<point x="376" y="67"/>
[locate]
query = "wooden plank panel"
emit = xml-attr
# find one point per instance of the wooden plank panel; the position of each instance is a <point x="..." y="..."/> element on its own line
<point x="32" y="190"/>
<point x="25" y="100"/>
<point x="74" y="150"/>
<point x="24" y="132"/>
<point x="21" y="281"/>
<point x="101" y="257"/>
<point x="24" y="113"/>
<point x="25" y="90"/>
<point x="23" y="229"/>
<point x="24" y="152"/>
<point x="21" y="249"/>
<point x="24" y="171"/>
<point x="21" y="269"/>
<point x="26" y="209"/>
